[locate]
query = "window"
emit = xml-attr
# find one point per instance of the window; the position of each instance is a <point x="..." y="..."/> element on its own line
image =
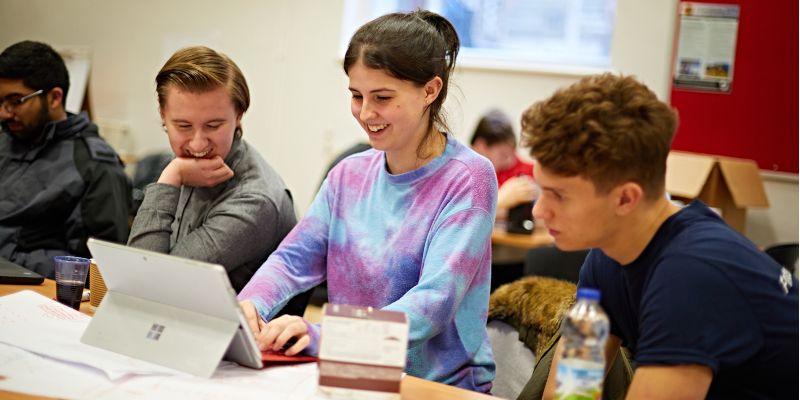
<point x="556" y="35"/>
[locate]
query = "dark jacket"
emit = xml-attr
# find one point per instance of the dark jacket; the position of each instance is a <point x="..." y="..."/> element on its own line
<point x="57" y="194"/>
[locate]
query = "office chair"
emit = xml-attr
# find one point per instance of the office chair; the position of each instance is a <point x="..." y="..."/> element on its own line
<point x="784" y="254"/>
<point x="551" y="262"/>
<point x="148" y="169"/>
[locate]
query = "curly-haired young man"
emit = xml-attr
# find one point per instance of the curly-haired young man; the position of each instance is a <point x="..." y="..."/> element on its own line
<point x="703" y="311"/>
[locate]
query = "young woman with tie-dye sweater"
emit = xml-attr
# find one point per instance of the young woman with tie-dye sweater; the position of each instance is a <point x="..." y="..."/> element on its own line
<point x="405" y="226"/>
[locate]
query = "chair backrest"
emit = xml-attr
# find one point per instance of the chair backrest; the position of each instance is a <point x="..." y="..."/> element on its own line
<point x="513" y="360"/>
<point x="551" y="262"/>
<point x="149" y="168"/>
<point x="784" y="254"/>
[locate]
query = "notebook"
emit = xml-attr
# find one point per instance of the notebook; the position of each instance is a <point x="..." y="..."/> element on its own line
<point x="171" y="311"/>
<point x="14" y="274"/>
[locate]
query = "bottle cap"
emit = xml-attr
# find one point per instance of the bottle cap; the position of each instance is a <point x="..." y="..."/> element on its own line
<point x="588" y="294"/>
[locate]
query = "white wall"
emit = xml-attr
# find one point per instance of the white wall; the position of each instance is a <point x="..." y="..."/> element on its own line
<point x="299" y="116"/>
<point x="779" y="222"/>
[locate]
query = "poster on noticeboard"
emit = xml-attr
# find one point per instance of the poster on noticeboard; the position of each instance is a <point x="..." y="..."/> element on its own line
<point x="706" y="46"/>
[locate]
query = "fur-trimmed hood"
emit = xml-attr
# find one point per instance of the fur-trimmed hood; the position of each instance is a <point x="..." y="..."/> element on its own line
<point x="534" y="306"/>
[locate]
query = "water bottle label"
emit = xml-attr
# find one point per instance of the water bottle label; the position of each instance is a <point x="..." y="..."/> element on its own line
<point x="578" y="379"/>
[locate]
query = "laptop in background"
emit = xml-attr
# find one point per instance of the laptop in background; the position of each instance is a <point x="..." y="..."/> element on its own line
<point x="171" y="311"/>
<point x="14" y="274"/>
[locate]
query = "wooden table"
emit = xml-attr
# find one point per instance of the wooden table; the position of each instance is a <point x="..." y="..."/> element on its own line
<point x="412" y="388"/>
<point x="538" y="238"/>
<point x="47" y="289"/>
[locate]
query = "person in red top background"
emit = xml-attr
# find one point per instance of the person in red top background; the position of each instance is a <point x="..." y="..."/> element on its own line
<point x="494" y="139"/>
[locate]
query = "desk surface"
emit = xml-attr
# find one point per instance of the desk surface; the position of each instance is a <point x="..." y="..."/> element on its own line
<point x="47" y="289"/>
<point x="538" y="238"/>
<point x="412" y="388"/>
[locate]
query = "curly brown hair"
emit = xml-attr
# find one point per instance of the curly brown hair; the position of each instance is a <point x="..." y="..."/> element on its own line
<point x="606" y="128"/>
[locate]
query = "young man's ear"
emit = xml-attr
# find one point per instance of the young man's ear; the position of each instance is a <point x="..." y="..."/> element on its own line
<point x="628" y="196"/>
<point x="55" y="99"/>
<point x="163" y="118"/>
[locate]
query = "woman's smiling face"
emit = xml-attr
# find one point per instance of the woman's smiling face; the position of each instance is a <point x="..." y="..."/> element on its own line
<point x="392" y="111"/>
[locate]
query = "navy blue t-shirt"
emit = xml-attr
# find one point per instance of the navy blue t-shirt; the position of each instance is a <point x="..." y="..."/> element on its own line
<point x="701" y="293"/>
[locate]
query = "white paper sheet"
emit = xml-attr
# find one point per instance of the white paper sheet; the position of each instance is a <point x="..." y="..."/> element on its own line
<point x="41" y="354"/>
<point x="229" y="381"/>
<point x="25" y="372"/>
<point x="43" y="326"/>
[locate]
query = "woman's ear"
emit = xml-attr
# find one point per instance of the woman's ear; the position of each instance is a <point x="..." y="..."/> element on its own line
<point x="432" y="90"/>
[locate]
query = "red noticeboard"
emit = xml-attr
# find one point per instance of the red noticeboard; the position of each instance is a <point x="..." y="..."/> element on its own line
<point x="758" y="117"/>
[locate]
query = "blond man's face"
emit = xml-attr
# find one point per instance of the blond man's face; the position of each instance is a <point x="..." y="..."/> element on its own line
<point x="200" y="124"/>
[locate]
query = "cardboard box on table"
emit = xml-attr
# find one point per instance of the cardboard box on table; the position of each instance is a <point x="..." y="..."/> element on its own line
<point x="731" y="185"/>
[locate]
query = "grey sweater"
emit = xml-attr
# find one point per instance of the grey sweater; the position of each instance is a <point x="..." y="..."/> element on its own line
<point x="236" y="224"/>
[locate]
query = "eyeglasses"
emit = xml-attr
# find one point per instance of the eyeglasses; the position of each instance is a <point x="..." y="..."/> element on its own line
<point x="11" y="103"/>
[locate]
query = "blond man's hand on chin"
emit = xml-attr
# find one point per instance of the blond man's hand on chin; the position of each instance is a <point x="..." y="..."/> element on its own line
<point x="198" y="172"/>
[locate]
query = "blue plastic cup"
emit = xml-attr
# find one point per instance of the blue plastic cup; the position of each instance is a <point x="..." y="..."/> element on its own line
<point x="70" y="278"/>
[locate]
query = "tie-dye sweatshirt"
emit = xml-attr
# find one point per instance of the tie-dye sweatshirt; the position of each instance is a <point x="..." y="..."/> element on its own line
<point x="418" y="242"/>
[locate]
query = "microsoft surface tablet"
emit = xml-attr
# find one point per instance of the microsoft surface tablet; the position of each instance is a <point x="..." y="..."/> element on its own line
<point x="168" y="310"/>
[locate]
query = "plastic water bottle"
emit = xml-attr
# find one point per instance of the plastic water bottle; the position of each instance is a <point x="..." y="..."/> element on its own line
<point x="584" y="333"/>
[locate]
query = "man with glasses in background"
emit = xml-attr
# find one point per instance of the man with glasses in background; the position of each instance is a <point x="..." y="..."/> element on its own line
<point x="60" y="182"/>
